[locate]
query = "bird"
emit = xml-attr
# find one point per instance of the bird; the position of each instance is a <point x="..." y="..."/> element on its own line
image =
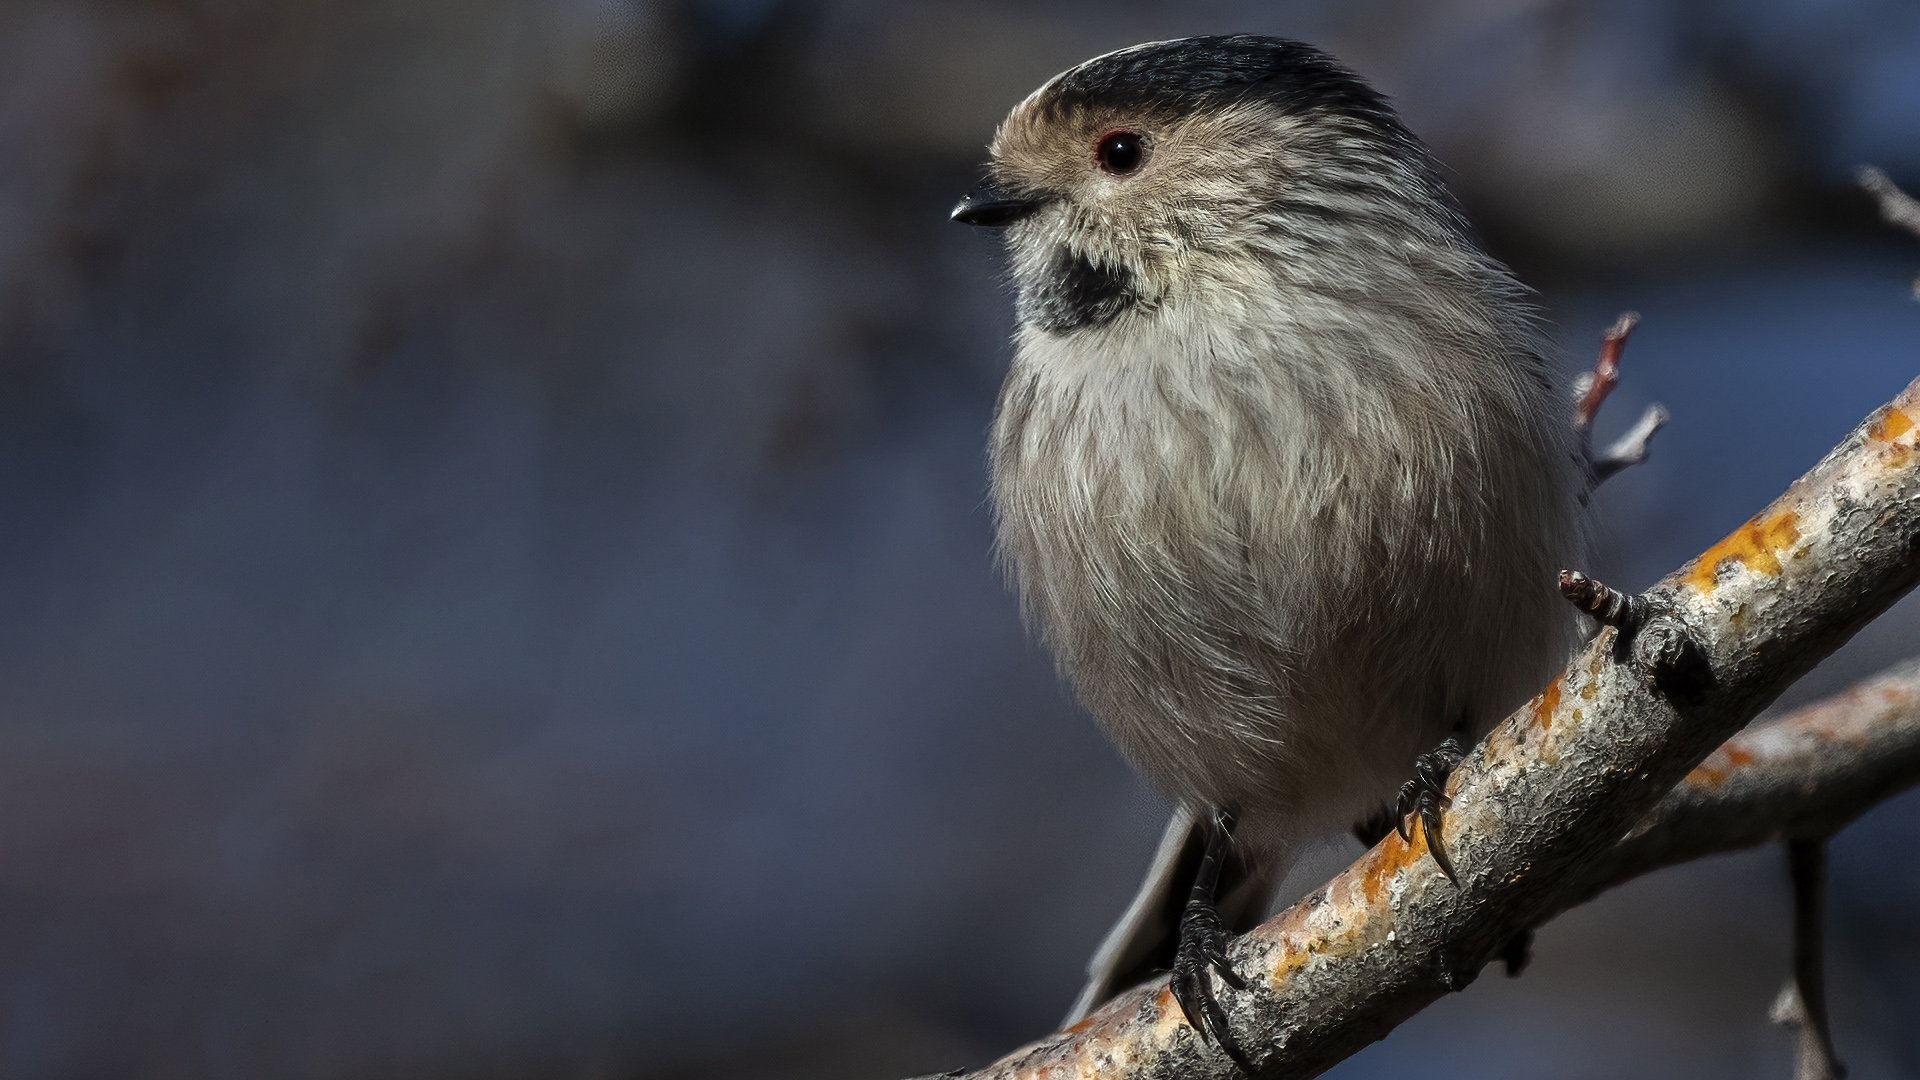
<point x="1281" y="470"/>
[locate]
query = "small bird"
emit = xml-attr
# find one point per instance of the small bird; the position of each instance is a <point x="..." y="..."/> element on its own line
<point x="1280" y="470"/>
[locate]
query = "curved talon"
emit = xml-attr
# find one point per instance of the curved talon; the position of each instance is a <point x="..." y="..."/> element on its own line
<point x="1425" y="796"/>
<point x="1430" y="824"/>
<point x="1201" y="941"/>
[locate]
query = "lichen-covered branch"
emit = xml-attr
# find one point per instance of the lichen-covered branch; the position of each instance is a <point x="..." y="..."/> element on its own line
<point x="1547" y="794"/>
<point x="1801" y="777"/>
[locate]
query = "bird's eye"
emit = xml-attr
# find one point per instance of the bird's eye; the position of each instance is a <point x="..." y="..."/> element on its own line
<point x="1120" y="152"/>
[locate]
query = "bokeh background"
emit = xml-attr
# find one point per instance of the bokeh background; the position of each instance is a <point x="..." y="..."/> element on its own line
<point x="494" y="580"/>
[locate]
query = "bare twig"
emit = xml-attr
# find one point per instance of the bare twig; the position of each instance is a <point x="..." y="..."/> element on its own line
<point x="1897" y="208"/>
<point x="1590" y="391"/>
<point x="1813" y="1057"/>
<point x="1803" y="1001"/>
<point x="1631" y="448"/>
<point x="1546" y="796"/>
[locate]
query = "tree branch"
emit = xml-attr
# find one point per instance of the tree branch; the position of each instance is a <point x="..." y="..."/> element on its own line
<point x="1802" y="777"/>
<point x="1548" y="793"/>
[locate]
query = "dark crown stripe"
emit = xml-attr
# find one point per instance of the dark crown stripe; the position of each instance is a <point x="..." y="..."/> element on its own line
<point x="1213" y="72"/>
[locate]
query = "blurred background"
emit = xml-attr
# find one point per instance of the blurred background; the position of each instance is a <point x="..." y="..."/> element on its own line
<point x="494" y="575"/>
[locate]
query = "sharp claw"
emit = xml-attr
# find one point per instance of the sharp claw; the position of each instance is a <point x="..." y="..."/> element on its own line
<point x="1430" y="824"/>
<point x="1403" y="807"/>
<point x="1217" y="1019"/>
<point x="1423" y="797"/>
<point x="1203" y="940"/>
<point x="1183" y="992"/>
<point x="1227" y="974"/>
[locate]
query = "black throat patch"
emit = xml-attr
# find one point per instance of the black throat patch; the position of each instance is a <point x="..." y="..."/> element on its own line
<point x="1076" y="294"/>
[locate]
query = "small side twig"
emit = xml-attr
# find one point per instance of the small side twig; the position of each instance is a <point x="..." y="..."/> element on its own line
<point x="1631" y="448"/>
<point x="1591" y="390"/>
<point x="1594" y="386"/>
<point x="1608" y="606"/>
<point x="1802" y="1004"/>
<point x="1897" y="208"/>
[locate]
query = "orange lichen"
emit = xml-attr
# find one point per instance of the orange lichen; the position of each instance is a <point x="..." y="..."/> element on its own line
<point x="1291" y="960"/>
<point x="1890" y="427"/>
<point x="1500" y="747"/>
<point x="1544" y="704"/>
<point x="1757" y="545"/>
<point x="1707" y="774"/>
<point x="1719" y="765"/>
<point x="1335" y="920"/>
<point x="1383" y="867"/>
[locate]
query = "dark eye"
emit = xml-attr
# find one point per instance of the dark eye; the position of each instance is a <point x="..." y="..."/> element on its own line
<point x="1120" y="152"/>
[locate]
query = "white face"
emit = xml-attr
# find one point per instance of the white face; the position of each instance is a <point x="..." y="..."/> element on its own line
<point x="1212" y="175"/>
<point x="1132" y="203"/>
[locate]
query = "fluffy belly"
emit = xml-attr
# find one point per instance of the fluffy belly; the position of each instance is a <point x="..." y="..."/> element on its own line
<point x="1247" y="635"/>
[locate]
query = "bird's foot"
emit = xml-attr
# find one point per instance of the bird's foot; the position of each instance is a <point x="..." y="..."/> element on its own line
<point x="1425" y="796"/>
<point x="1203" y="943"/>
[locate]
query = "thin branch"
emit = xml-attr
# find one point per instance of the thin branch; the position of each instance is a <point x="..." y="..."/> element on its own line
<point x="1813" y="1053"/>
<point x="1802" y="1004"/>
<point x="1897" y="208"/>
<point x="1631" y="448"/>
<point x="1593" y="387"/>
<point x="1590" y="391"/>
<point x="1551" y="790"/>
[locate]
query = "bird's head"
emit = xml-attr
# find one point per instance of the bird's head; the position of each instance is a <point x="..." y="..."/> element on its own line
<point x="1202" y="170"/>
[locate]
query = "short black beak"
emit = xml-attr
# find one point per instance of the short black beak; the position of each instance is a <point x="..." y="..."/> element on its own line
<point x="990" y="205"/>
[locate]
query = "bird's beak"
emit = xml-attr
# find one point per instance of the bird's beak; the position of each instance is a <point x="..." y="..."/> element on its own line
<point x="991" y="205"/>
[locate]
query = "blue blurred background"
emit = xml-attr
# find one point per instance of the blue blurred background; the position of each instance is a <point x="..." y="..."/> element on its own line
<point x="494" y="574"/>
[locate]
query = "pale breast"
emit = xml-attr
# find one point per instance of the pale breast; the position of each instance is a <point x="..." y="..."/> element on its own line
<point x="1260" y="600"/>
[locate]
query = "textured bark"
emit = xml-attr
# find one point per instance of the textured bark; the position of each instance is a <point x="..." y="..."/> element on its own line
<point x="1803" y="777"/>
<point x="1538" y="807"/>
